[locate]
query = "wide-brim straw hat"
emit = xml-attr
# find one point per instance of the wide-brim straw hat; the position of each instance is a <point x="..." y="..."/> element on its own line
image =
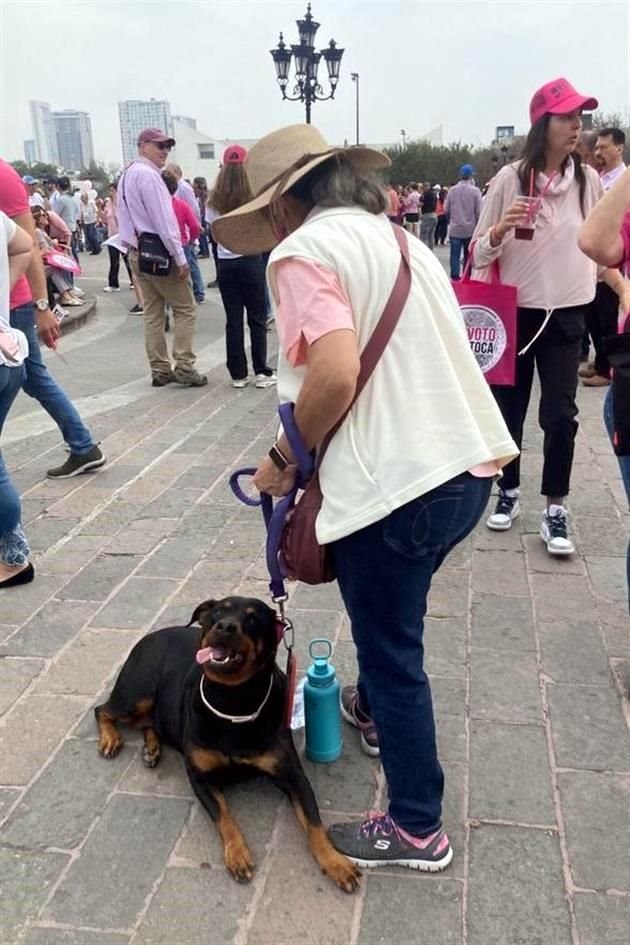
<point x="274" y="165"/>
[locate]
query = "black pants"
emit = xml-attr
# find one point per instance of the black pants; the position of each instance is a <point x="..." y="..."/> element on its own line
<point x="114" y="267"/>
<point x="242" y="287"/>
<point x="441" y="230"/>
<point x="601" y="320"/>
<point x="556" y="353"/>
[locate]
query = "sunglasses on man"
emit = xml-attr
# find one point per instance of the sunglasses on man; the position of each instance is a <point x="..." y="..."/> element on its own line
<point x="163" y="145"/>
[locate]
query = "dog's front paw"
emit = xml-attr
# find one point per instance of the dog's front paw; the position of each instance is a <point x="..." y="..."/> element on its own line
<point x="342" y="872"/>
<point x="150" y="755"/>
<point x="239" y="862"/>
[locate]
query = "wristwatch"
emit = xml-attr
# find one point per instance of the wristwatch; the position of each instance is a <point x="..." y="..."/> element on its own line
<point x="278" y="458"/>
<point x="41" y="305"/>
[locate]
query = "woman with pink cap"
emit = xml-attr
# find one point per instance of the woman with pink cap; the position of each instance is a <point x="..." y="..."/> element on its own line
<point x="241" y="279"/>
<point x="536" y="241"/>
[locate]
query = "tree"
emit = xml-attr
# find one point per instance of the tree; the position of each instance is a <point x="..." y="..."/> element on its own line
<point x="38" y="170"/>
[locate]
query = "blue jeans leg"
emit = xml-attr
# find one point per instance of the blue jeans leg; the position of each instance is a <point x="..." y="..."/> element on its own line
<point x="42" y="387"/>
<point x="624" y="467"/>
<point x="384" y="573"/>
<point x="13" y="547"/>
<point x="455" y="245"/>
<point x="195" y="273"/>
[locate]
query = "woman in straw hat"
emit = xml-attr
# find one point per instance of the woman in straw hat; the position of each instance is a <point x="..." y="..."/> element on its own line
<point x="241" y="279"/>
<point x="409" y="471"/>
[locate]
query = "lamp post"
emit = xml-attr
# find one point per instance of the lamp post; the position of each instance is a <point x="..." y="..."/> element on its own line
<point x="355" y="78"/>
<point x="306" y="62"/>
<point x="403" y="137"/>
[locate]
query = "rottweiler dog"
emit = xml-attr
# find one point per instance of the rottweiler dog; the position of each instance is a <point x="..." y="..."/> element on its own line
<point x="218" y="698"/>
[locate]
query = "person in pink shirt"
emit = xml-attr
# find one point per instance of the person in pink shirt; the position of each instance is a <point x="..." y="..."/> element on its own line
<point x="189" y="226"/>
<point x="605" y="238"/>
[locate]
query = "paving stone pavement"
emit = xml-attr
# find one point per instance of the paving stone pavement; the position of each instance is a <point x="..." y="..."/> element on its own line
<point x="529" y="658"/>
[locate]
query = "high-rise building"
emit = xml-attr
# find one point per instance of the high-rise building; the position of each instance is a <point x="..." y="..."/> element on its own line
<point x="30" y="151"/>
<point x="185" y="120"/>
<point x="135" y="115"/>
<point x="43" y="133"/>
<point x="73" y="131"/>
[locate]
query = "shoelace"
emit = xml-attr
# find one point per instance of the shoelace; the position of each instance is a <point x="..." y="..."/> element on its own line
<point x="378" y="823"/>
<point x="557" y="525"/>
<point x="505" y="504"/>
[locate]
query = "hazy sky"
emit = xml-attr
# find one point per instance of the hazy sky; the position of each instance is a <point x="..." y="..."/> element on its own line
<point x="467" y="66"/>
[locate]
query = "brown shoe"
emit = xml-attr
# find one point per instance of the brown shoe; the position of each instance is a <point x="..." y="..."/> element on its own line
<point x="189" y="378"/>
<point x="586" y="370"/>
<point x="596" y="380"/>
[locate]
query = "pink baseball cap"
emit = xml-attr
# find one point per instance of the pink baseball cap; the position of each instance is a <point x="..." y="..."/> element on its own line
<point x="155" y="134"/>
<point x="558" y="97"/>
<point x="235" y="154"/>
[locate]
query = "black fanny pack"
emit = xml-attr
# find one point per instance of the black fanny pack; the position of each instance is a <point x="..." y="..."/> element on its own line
<point x="153" y="257"/>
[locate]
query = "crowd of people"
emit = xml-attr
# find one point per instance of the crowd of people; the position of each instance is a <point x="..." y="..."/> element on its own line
<point x="410" y="469"/>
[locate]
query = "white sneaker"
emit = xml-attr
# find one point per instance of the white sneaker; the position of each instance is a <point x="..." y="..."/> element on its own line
<point x="239" y="384"/>
<point x="109" y="288"/>
<point x="78" y="291"/>
<point x="265" y="380"/>
<point x="507" y="509"/>
<point x="554" y="531"/>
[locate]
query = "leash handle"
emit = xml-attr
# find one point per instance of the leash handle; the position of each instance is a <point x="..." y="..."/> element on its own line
<point x="274" y="517"/>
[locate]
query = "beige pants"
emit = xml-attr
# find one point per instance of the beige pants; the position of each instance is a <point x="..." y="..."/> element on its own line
<point x="157" y="291"/>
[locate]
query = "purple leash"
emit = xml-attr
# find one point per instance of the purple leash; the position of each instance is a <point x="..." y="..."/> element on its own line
<point x="275" y="515"/>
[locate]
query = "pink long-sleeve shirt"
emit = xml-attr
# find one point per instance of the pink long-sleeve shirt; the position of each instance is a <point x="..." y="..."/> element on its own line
<point x="145" y="206"/>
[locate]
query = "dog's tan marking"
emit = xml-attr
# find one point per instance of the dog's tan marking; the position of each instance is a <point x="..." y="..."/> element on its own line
<point x="110" y="740"/>
<point x="267" y="763"/>
<point x="238" y="859"/>
<point x="344" y="873"/>
<point x="151" y="750"/>
<point x="203" y="759"/>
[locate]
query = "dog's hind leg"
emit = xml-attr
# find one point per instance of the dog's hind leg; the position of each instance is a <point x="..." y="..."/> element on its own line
<point x="117" y="709"/>
<point x="151" y="749"/>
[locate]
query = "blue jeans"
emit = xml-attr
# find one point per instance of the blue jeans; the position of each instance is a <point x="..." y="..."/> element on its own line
<point x="13" y="547"/>
<point x="384" y="573"/>
<point x="624" y="468"/>
<point x="457" y="245"/>
<point x="195" y="272"/>
<point x="42" y="387"/>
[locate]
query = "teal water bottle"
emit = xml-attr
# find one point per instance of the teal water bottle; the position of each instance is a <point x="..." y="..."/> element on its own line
<point x="321" y="706"/>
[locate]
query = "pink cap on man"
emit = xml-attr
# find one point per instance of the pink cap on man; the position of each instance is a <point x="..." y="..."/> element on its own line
<point x="156" y="135"/>
<point x="558" y="97"/>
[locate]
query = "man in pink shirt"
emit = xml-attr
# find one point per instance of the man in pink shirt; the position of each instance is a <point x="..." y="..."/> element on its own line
<point x="145" y="207"/>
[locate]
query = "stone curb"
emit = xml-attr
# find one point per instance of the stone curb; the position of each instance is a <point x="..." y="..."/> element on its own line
<point x="75" y="319"/>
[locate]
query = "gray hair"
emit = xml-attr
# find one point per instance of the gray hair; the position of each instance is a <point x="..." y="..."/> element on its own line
<point x="336" y="183"/>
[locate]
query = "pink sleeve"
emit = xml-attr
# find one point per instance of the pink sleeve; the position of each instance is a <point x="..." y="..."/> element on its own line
<point x="311" y="304"/>
<point x="625" y="236"/>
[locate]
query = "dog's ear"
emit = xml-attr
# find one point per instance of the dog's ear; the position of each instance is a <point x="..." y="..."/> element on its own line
<point x="205" y="607"/>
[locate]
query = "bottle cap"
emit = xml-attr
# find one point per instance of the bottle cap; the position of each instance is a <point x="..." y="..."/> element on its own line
<point x="320" y="672"/>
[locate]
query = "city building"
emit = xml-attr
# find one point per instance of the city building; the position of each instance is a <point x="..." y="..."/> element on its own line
<point x="30" y="151"/>
<point x="73" y="131"/>
<point x="185" y="120"/>
<point x="134" y="115"/>
<point x="43" y="133"/>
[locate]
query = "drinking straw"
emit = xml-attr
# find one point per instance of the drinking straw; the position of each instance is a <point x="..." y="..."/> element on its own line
<point x="531" y="194"/>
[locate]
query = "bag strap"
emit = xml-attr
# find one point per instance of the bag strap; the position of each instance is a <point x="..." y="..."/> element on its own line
<point x="495" y="271"/>
<point x="370" y="357"/>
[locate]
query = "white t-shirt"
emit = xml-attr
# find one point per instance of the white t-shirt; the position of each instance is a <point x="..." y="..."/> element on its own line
<point x="13" y="343"/>
<point x="222" y="252"/>
<point x="36" y="200"/>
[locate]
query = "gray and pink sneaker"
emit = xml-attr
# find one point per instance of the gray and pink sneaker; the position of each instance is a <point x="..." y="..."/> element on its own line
<point x="379" y="841"/>
<point x="354" y="715"/>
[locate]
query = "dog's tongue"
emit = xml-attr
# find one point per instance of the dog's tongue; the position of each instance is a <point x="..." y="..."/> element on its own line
<point x="210" y="653"/>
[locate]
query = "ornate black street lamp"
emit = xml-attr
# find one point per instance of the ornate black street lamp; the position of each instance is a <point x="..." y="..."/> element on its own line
<point x="306" y="62"/>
